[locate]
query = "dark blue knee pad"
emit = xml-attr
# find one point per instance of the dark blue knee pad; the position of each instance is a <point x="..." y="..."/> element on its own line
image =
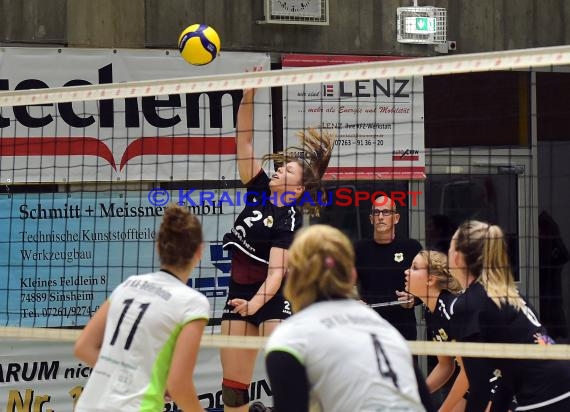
<point x="235" y="394"/>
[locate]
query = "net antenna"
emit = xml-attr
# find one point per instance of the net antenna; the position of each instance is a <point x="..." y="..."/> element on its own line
<point x="424" y="25"/>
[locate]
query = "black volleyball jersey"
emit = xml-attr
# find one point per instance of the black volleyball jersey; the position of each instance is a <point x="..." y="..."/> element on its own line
<point x="438" y="322"/>
<point x="262" y="225"/>
<point x="476" y="318"/>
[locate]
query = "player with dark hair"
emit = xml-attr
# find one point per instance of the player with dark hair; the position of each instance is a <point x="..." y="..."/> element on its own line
<point x="143" y="341"/>
<point x="491" y="310"/>
<point x="259" y="240"/>
<point x="335" y="353"/>
<point x="429" y="280"/>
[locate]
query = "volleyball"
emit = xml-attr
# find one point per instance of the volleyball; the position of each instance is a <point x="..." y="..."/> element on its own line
<point x="199" y="44"/>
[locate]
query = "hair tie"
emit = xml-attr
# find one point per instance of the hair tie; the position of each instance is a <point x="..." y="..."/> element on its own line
<point x="329" y="262"/>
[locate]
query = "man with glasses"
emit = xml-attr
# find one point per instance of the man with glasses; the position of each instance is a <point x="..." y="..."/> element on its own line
<point x="381" y="263"/>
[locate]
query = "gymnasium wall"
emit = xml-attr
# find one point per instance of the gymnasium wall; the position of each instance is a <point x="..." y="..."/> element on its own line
<point x="356" y="26"/>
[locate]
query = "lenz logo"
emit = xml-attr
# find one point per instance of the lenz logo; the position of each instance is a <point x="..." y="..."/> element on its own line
<point x="391" y="88"/>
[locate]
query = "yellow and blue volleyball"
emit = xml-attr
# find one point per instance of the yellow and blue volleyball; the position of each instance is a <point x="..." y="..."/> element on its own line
<point x="199" y="44"/>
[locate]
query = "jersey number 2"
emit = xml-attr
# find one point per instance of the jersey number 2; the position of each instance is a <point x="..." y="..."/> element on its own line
<point x="383" y="363"/>
<point x="142" y="309"/>
<point x="257" y="215"/>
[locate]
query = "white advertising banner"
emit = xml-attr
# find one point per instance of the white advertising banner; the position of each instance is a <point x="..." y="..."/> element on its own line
<point x="44" y="376"/>
<point x="379" y="123"/>
<point x="158" y="138"/>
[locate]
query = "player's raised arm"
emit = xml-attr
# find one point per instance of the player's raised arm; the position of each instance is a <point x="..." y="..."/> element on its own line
<point x="248" y="165"/>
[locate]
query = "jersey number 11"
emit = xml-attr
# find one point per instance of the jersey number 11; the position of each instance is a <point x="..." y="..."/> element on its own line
<point x="142" y="309"/>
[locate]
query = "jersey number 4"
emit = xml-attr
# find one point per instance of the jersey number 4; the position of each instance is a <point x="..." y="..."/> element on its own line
<point x="142" y="309"/>
<point x="383" y="363"/>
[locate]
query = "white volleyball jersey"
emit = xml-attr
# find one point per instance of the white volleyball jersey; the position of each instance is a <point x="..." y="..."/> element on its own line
<point x="354" y="359"/>
<point x="146" y="315"/>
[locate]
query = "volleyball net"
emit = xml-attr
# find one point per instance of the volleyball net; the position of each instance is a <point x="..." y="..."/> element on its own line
<point x="463" y="349"/>
<point x="92" y="155"/>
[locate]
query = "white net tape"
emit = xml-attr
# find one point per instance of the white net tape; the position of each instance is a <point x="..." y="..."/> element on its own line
<point x="464" y="349"/>
<point x="477" y="62"/>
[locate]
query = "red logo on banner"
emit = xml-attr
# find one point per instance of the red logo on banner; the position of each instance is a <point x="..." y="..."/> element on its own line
<point x="408" y="154"/>
<point x="91" y="146"/>
<point x="328" y="90"/>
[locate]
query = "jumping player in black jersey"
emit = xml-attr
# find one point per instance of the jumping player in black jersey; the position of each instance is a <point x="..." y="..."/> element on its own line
<point x="491" y="310"/>
<point x="259" y="240"/>
<point x="429" y="280"/>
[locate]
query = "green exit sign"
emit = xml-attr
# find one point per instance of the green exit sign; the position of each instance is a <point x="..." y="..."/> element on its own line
<point x="420" y="25"/>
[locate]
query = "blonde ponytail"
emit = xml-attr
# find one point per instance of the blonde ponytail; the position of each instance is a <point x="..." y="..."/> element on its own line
<point x="485" y="252"/>
<point x="497" y="277"/>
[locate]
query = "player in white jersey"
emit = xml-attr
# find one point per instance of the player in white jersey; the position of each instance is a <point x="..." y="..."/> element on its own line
<point x="334" y="351"/>
<point x="143" y="342"/>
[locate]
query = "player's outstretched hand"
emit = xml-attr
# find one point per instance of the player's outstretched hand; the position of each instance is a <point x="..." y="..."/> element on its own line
<point x="249" y="93"/>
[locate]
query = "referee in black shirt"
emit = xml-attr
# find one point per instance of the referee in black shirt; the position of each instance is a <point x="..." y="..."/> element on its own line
<point x="381" y="262"/>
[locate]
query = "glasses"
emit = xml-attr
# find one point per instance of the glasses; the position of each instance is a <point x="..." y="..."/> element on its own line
<point x="383" y="212"/>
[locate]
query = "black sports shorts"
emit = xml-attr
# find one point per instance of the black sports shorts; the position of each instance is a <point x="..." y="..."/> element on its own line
<point x="276" y="308"/>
